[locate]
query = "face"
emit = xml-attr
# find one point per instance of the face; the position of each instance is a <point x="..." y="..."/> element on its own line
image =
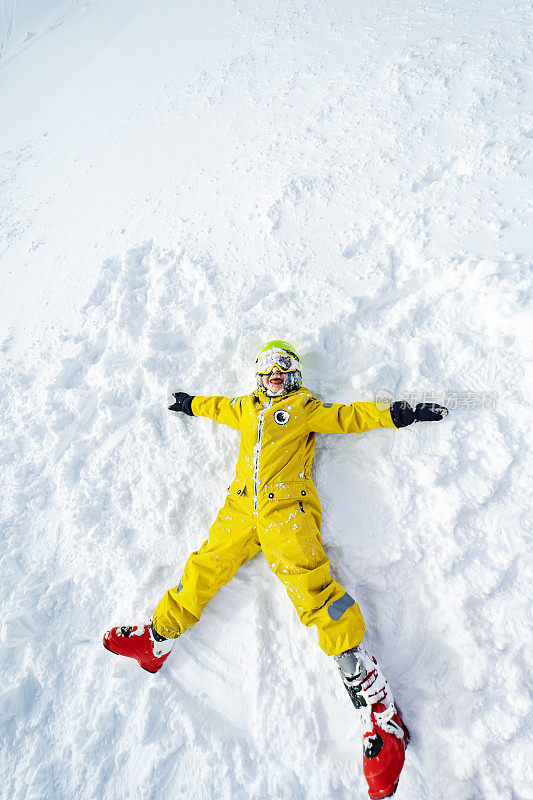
<point x="275" y="380"/>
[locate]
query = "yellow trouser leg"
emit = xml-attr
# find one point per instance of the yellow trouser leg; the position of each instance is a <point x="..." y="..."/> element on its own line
<point x="232" y="541"/>
<point x="290" y="539"/>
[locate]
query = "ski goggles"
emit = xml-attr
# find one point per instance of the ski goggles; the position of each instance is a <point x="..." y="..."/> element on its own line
<point x="285" y="362"/>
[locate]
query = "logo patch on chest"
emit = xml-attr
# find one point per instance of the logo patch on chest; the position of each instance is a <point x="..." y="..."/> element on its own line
<point x="281" y="417"/>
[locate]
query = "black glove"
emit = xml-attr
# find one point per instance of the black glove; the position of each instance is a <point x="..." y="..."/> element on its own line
<point x="183" y="403"/>
<point x="430" y="412"/>
<point x="402" y="414"/>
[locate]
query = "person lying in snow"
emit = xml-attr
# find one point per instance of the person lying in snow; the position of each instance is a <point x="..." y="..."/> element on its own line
<point x="272" y="505"/>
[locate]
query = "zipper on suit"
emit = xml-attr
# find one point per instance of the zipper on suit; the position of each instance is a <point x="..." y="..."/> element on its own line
<point x="257" y="451"/>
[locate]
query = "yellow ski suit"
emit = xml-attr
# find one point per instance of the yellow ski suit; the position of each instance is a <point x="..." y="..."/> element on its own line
<point x="272" y="504"/>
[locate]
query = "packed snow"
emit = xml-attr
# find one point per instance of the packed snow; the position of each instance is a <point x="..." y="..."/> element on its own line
<point x="180" y="182"/>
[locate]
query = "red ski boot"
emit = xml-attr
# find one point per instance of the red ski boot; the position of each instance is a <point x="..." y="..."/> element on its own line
<point x="140" y="643"/>
<point x="385" y="737"/>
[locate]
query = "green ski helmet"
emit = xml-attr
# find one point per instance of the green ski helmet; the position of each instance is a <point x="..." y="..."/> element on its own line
<point x="284" y="357"/>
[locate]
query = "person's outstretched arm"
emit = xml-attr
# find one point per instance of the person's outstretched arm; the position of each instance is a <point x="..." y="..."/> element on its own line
<point x="360" y="417"/>
<point x="225" y="410"/>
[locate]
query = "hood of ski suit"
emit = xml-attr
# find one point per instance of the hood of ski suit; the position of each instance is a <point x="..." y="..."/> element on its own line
<point x="278" y="436"/>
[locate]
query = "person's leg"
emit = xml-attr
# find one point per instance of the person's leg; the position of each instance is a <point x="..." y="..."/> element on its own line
<point x="290" y="538"/>
<point x="232" y="541"/>
<point x="289" y="532"/>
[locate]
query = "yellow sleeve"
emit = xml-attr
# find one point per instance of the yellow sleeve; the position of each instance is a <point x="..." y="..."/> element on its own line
<point x="225" y="410"/>
<point x="340" y="418"/>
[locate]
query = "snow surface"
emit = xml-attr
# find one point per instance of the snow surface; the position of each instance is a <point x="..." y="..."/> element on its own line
<point x="178" y="183"/>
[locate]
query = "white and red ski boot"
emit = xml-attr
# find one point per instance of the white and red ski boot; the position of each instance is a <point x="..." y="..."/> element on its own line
<point x="385" y="737"/>
<point x="140" y="642"/>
